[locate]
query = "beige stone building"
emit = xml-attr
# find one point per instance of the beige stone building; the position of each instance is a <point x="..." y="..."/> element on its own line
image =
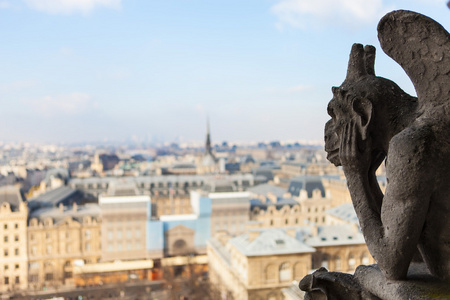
<point x="60" y="238"/>
<point x="13" y="240"/>
<point x="298" y="211"/>
<point x="124" y="222"/>
<point x="257" y="265"/>
<point x="339" y="248"/>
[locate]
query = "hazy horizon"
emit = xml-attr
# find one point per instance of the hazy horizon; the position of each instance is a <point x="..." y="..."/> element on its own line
<point x="96" y="70"/>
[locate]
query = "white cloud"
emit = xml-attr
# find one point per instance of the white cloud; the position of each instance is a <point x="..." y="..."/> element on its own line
<point x="309" y="13"/>
<point x="67" y="7"/>
<point x="4" y="4"/>
<point x="17" y="85"/>
<point x="70" y="104"/>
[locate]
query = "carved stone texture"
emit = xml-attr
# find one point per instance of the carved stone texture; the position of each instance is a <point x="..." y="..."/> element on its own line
<point x="373" y="119"/>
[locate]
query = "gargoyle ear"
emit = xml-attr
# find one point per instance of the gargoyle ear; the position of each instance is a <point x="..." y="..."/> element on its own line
<point x="363" y="108"/>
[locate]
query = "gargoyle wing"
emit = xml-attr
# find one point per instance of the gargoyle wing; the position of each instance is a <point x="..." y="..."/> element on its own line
<point x="422" y="47"/>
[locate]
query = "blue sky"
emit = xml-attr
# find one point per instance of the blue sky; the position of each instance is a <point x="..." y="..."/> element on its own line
<point x="96" y="70"/>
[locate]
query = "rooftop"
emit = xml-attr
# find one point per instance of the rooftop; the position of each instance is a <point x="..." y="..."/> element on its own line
<point x="336" y="235"/>
<point x="269" y="242"/>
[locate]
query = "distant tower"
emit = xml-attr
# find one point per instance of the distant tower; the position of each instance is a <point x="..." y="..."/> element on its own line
<point x="208" y="149"/>
<point x="208" y="163"/>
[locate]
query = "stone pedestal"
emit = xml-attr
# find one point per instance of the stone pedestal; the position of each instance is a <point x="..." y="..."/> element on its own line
<point x="368" y="283"/>
<point x="418" y="285"/>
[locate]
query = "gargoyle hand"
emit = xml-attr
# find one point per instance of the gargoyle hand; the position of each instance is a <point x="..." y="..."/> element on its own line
<point x="355" y="154"/>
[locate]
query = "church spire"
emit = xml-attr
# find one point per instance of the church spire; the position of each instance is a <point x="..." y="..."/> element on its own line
<point x="208" y="138"/>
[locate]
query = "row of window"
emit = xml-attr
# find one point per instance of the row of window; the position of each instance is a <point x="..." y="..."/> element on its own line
<point x="6" y="267"/>
<point x="6" y="252"/>
<point x="5" y="226"/>
<point x="16" y="280"/>
<point x="48" y="235"/>
<point x="120" y="247"/>
<point x="6" y="238"/>
<point x="129" y="234"/>
<point x="49" y="248"/>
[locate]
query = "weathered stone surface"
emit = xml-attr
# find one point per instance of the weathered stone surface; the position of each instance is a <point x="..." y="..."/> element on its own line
<point x="420" y="285"/>
<point x="373" y="119"/>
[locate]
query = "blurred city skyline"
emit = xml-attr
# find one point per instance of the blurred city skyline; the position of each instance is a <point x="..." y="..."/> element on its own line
<point x="117" y="70"/>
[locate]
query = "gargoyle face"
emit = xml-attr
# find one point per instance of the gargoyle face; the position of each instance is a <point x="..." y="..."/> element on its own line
<point x="334" y="127"/>
<point x="332" y="143"/>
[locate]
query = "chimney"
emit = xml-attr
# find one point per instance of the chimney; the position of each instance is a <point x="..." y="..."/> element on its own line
<point x="253" y="234"/>
<point x="75" y="207"/>
<point x="291" y="232"/>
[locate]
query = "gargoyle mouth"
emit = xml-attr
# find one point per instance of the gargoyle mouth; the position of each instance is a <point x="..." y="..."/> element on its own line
<point x="333" y="157"/>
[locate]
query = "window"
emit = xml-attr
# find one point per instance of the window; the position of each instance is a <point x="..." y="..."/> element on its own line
<point x="67" y="234"/>
<point x="119" y="234"/>
<point x="17" y="279"/>
<point x="286" y="221"/>
<point x="365" y="259"/>
<point x="5" y="252"/>
<point x="16" y="238"/>
<point x="32" y="237"/>
<point x="16" y="226"/>
<point x="33" y="250"/>
<point x="5" y="226"/>
<point x="338" y="263"/>
<point x="16" y="251"/>
<point x="325" y="262"/>
<point x="6" y="280"/>
<point x="88" y="246"/>
<point x="6" y="267"/>
<point x="5" y="238"/>
<point x="49" y="276"/>
<point x="47" y="235"/>
<point x="110" y="247"/>
<point x="271" y="273"/>
<point x="33" y="265"/>
<point x="129" y="233"/>
<point x="87" y="234"/>
<point x="49" y="249"/>
<point x="119" y="247"/>
<point x="33" y="278"/>
<point x="285" y="272"/>
<point x="110" y="235"/>
<point x="351" y="262"/>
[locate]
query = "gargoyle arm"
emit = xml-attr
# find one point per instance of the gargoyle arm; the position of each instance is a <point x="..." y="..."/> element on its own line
<point x="392" y="237"/>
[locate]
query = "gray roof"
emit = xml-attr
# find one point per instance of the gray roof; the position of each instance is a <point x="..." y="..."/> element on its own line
<point x="159" y="178"/>
<point x="12" y="195"/>
<point x="345" y="212"/>
<point x="336" y="235"/>
<point x="264" y="189"/>
<point x="269" y="242"/>
<point x="122" y="188"/>
<point x="91" y="209"/>
<point x="220" y="250"/>
<point x="278" y="205"/>
<point x="62" y="194"/>
<point x="308" y="183"/>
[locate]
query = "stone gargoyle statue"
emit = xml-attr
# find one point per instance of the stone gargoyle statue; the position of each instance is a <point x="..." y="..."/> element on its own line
<point x="372" y="119"/>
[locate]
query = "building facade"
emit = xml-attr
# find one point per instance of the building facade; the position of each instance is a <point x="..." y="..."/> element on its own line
<point x="257" y="265"/>
<point x="13" y="240"/>
<point x="60" y="238"/>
